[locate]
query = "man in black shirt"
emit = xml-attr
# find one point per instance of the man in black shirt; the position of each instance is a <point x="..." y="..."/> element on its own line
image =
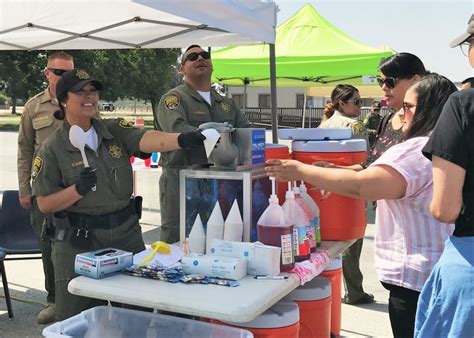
<point x="446" y="303"/>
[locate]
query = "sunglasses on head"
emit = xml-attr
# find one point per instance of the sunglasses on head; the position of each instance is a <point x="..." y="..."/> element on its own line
<point x="57" y="72"/>
<point x="390" y="82"/>
<point x="195" y="55"/>
<point x="357" y="102"/>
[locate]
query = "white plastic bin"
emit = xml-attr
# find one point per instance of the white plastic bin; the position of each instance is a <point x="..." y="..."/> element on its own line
<point x="106" y="321"/>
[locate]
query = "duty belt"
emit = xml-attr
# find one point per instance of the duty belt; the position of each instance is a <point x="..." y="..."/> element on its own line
<point x="106" y="221"/>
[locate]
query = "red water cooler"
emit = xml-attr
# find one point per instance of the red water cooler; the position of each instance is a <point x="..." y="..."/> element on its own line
<point x="334" y="274"/>
<point x="341" y="218"/>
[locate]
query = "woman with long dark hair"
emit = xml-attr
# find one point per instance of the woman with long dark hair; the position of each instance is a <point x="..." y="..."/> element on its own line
<point x="408" y="240"/>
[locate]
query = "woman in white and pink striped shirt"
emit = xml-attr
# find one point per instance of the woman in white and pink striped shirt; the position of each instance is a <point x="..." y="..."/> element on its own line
<point x="408" y="240"/>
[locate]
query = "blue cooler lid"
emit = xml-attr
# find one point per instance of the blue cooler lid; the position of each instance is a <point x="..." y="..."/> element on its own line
<point x="315" y="134"/>
<point x="341" y="146"/>
<point x="316" y="289"/>
<point x="282" y="314"/>
<point x="335" y="264"/>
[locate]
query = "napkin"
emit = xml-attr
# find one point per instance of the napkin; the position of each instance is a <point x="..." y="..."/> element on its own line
<point x="212" y="136"/>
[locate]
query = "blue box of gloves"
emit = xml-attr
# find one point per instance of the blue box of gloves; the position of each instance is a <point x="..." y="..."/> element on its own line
<point x="102" y="263"/>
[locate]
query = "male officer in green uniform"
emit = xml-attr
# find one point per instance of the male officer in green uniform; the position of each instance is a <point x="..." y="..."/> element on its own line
<point x="372" y="121"/>
<point x="183" y="109"/>
<point x="37" y="122"/>
<point x="91" y="207"/>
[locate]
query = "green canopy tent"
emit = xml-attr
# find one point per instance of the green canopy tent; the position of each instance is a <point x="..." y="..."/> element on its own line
<point x="309" y="51"/>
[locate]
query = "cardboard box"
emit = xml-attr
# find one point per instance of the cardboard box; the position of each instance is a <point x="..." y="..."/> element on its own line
<point x="262" y="259"/>
<point x="102" y="263"/>
<point x="215" y="266"/>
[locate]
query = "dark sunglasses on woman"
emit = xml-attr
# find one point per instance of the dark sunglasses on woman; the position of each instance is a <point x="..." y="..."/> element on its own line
<point x="57" y="72"/>
<point x="357" y="102"/>
<point x="195" y="55"/>
<point x="390" y="82"/>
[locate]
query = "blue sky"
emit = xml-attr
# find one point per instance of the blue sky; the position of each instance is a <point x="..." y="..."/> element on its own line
<point x="421" y="27"/>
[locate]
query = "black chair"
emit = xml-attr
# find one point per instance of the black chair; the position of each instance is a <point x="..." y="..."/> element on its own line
<point x="16" y="237"/>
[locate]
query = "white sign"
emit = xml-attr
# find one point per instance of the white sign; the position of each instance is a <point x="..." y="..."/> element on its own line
<point x="369" y="79"/>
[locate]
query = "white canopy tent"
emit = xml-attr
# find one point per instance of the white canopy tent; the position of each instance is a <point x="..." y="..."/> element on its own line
<point x="115" y="24"/>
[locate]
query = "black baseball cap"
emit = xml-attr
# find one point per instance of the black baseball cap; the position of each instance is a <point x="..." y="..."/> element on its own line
<point x="73" y="81"/>
<point x="376" y="105"/>
<point x="464" y="36"/>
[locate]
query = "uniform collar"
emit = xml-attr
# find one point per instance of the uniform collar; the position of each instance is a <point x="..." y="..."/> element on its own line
<point x="338" y="113"/>
<point x="194" y="93"/>
<point x="47" y="97"/>
<point x="100" y="129"/>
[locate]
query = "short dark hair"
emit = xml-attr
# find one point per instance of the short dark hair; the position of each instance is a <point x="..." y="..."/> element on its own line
<point x="469" y="80"/>
<point x="402" y="66"/>
<point x="183" y="59"/>
<point x="433" y="91"/>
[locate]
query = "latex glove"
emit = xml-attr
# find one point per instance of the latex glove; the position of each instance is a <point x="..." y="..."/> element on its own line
<point x="87" y="180"/>
<point x="191" y="139"/>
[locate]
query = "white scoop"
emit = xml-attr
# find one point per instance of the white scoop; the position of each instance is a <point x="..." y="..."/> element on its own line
<point x="78" y="138"/>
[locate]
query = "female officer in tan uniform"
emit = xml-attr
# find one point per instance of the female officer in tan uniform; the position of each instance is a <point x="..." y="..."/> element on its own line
<point x="85" y="219"/>
<point x="342" y="112"/>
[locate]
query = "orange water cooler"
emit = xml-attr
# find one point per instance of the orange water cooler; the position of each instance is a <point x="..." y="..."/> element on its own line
<point x="334" y="274"/>
<point x="341" y="218"/>
<point x="282" y="320"/>
<point x="278" y="151"/>
<point x="314" y="302"/>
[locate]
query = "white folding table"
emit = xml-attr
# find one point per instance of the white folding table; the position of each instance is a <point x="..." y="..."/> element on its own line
<point x="236" y="304"/>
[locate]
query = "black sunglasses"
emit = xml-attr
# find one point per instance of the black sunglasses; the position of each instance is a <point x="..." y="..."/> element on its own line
<point x="195" y="55"/>
<point x="390" y="82"/>
<point x="57" y="72"/>
<point x="357" y="102"/>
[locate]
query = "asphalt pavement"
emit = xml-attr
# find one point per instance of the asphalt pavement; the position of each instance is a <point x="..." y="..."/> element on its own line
<point x="26" y="279"/>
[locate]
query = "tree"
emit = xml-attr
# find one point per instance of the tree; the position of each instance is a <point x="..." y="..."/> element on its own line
<point x="21" y="74"/>
<point x="150" y="73"/>
<point x="142" y="74"/>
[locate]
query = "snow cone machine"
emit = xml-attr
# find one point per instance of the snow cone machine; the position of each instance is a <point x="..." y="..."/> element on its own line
<point x="236" y="173"/>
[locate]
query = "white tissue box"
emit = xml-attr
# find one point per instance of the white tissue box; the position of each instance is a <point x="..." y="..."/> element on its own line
<point x="101" y="263"/>
<point x="262" y="259"/>
<point x="215" y="266"/>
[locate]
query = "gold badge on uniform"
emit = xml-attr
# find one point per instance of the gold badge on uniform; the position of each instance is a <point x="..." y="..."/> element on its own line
<point x="125" y="123"/>
<point x="82" y="74"/>
<point x="172" y="102"/>
<point x="115" y="151"/>
<point x="225" y="107"/>
<point x="37" y="166"/>
<point x="358" y="128"/>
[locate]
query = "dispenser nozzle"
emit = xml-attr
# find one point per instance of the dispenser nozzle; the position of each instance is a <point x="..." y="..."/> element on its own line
<point x="273" y="197"/>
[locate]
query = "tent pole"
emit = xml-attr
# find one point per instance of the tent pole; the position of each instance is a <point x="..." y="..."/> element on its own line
<point x="273" y="93"/>
<point x="304" y="109"/>
<point x="245" y="96"/>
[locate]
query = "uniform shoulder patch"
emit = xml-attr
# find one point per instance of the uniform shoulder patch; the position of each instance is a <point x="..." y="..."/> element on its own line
<point x="358" y="128"/>
<point x="126" y="123"/>
<point x="226" y="107"/>
<point x="37" y="167"/>
<point x="172" y="101"/>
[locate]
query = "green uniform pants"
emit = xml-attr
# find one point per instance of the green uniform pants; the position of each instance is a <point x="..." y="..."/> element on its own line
<point x="127" y="236"/>
<point x="169" y="205"/>
<point x="351" y="272"/>
<point x="45" y="245"/>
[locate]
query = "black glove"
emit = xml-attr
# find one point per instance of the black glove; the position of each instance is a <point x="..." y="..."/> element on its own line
<point x="191" y="139"/>
<point x="87" y="180"/>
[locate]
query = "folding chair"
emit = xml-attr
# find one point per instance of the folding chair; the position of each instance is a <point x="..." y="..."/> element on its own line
<point x="16" y="237"/>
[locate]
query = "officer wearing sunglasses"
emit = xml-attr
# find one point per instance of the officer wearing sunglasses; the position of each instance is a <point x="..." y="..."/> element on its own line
<point x="183" y="109"/>
<point x="37" y="122"/>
